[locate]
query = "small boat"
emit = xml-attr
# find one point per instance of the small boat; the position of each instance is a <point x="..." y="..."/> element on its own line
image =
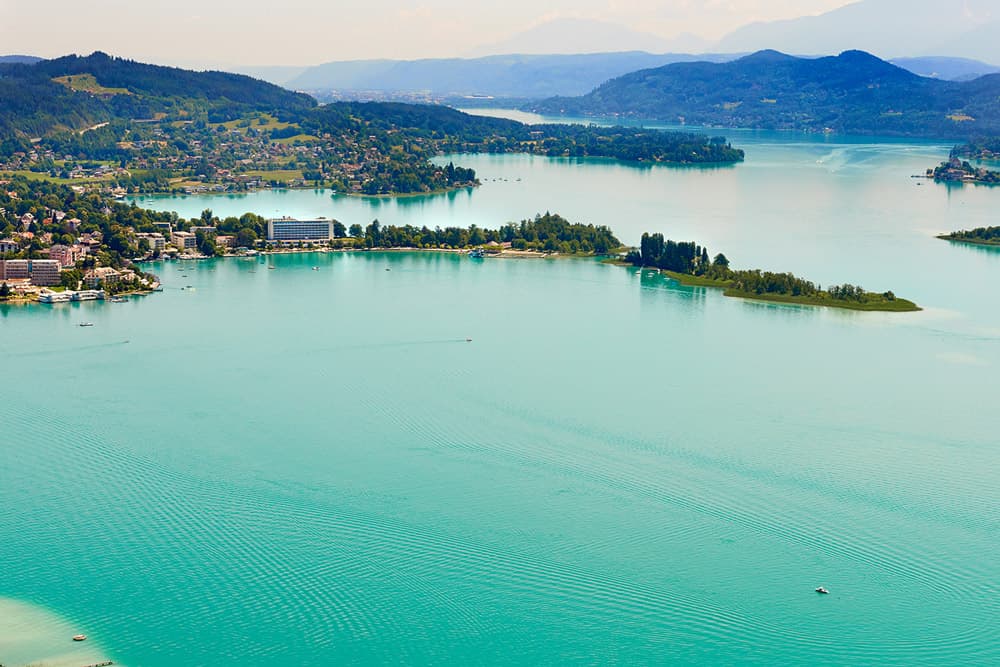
<point x="822" y="591"/>
<point x="388" y="269"/>
<point x="86" y="324"/>
<point x="79" y="638"/>
<point x="478" y="253"/>
<point x="468" y="340"/>
<point x="315" y="268"/>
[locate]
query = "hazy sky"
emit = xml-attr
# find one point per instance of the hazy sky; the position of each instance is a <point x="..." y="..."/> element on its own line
<point x="302" y="32"/>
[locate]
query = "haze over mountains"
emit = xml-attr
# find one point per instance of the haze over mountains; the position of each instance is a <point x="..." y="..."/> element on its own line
<point x="499" y="76"/>
<point x="887" y="28"/>
<point x="946" y="39"/>
<point x="574" y="35"/>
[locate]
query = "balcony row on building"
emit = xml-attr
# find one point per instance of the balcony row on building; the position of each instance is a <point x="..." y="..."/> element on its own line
<point x="43" y="272"/>
<point x="281" y="230"/>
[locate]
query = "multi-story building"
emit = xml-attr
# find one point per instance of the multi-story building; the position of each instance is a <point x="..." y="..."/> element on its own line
<point x="156" y="241"/>
<point x="44" y="271"/>
<point x="184" y="240"/>
<point x="66" y="255"/>
<point x="14" y="269"/>
<point x="9" y="245"/>
<point x="289" y="229"/>
<point x="39" y="271"/>
<point x="103" y="275"/>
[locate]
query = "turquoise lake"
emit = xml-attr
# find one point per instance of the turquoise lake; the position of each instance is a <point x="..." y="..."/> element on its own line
<point x="315" y="467"/>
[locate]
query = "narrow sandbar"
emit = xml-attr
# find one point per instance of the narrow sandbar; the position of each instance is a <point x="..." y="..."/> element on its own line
<point x="32" y="635"/>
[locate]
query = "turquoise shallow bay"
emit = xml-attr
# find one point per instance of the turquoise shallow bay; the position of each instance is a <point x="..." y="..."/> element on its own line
<point x="314" y="467"/>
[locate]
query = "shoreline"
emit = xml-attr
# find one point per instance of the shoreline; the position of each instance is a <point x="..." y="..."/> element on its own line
<point x="976" y="242"/>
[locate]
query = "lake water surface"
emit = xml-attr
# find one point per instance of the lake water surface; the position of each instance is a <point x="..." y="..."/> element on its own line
<point x="304" y="467"/>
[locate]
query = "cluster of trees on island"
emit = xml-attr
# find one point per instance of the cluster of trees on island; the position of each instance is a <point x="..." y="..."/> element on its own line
<point x="689" y="262"/>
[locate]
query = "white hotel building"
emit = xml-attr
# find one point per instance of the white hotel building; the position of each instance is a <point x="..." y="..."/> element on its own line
<point x="288" y="229"/>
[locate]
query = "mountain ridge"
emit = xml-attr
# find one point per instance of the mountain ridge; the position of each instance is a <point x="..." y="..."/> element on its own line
<point x="854" y="92"/>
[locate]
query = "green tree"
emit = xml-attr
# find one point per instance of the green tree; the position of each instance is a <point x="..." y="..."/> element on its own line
<point x="246" y="238"/>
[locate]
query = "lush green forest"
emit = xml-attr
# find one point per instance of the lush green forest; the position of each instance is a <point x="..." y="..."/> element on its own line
<point x="854" y="92"/>
<point x="545" y="233"/>
<point x="689" y="263"/>
<point x="978" y="236"/>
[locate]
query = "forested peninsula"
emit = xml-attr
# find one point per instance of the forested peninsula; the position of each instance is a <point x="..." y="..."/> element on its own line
<point x="958" y="169"/>
<point x="989" y="236"/>
<point x="99" y="122"/>
<point x="689" y="264"/>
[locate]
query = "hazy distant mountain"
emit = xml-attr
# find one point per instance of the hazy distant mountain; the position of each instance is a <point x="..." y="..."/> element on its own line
<point x="276" y="74"/>
<point x="982" y="43"/>
<point x="889" y="28"/>
<point x="949" y="69"/>
<point x="523" y="76"/>
<point x="586" y="36"/>
<point x="19" y="59"/>
<point x="854" y="92"/>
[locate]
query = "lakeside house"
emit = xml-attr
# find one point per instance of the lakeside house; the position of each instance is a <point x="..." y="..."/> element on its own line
<point x="103" y="275"/>
<point x="157" y="242"/>
<point x="184" y="240"/>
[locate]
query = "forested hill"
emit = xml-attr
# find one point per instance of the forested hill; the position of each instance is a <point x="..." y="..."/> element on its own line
<point x="854" y="92"/>
<point x="458" y="132"/>
<point x="76" y="92"/>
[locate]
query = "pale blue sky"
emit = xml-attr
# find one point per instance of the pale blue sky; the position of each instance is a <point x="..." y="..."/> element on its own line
<point x="301" y="32"/>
